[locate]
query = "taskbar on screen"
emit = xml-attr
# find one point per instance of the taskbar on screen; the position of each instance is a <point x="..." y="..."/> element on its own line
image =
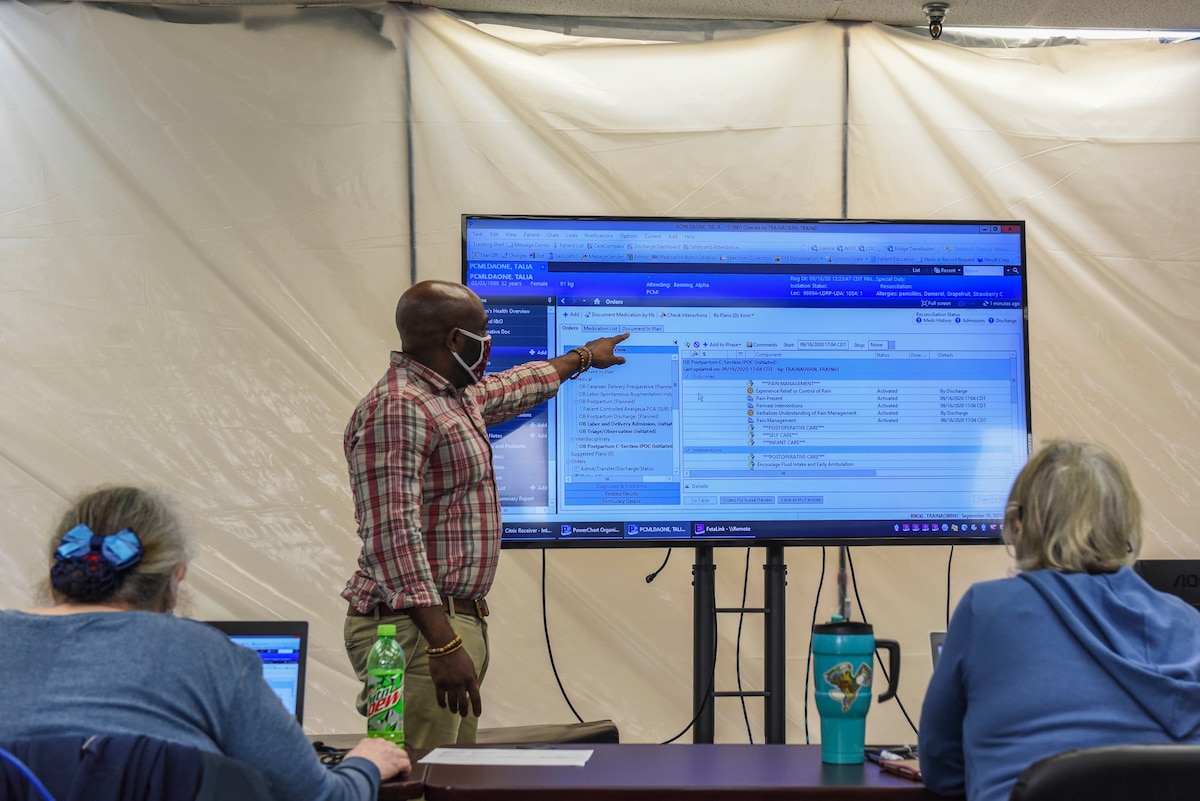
<point x="749" y="532"/>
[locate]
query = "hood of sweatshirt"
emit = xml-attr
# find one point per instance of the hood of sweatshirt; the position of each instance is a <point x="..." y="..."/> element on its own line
<point x="1147" y="641"/>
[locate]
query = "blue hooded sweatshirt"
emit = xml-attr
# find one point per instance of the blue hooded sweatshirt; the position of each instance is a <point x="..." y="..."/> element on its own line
<point x="1046" y="662"/>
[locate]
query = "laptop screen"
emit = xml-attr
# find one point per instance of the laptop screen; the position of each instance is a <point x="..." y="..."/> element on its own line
<point x="283" y="648"/>
<point x="1178" y="577"/>
<point x="935" y="645"/>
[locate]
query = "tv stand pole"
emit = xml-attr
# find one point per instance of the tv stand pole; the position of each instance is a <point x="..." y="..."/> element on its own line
<point x="775" y="646"/>
<point x="704" y="640"/>
<point x="704" y="643"/>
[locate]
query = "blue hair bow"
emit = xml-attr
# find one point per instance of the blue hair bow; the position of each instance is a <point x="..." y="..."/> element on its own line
<point x="122" y="549"/>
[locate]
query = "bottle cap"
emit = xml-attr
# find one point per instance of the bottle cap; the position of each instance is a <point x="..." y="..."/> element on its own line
<point x="387" y="630"/>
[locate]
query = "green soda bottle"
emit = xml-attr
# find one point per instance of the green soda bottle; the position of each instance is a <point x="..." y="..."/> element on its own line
<point x="385" y="687"/>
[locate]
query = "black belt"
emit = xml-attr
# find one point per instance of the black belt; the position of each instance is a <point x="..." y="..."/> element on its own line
<point x="472" y="607"/>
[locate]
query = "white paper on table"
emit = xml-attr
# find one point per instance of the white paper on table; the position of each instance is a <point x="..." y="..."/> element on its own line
<point x="573" y="757"/>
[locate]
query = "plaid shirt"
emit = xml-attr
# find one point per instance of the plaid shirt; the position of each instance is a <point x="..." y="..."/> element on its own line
<point x="425" y="496"/>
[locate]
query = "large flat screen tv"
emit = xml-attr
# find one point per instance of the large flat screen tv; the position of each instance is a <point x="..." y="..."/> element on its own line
<point x="788" y="381"/>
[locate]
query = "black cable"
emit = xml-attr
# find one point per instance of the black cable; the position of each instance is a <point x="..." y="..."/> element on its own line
<point x="949" y="563"/>
<point x="808" y="659"/>
<point x="863" y="614"/>
<point x="549" y="650"/>
<point x="654" y="575"/>
<point x="329" y="754"/>
<point x="738" y="650"/>
<point x="712" y="678"/>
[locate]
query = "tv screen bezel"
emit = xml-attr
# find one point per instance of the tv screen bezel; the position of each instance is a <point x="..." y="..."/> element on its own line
<point x="912" y="539"/>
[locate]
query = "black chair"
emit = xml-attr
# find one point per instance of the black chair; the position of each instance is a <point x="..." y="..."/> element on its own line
<point x="224" y="778"/>
<point x="125" y="768"/>
<point x="1113" y="773"/>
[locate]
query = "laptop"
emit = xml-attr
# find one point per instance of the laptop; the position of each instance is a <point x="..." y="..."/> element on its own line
<point x="936" y="638"/>
<point x="282" y="645"/>
<point x="1178" y="577"/>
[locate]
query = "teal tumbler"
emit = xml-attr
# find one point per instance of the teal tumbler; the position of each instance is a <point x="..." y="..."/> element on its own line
<point x="843" y="665"/>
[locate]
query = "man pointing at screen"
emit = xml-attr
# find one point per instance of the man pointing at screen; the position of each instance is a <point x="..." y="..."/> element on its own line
<point x="426" y="502"/>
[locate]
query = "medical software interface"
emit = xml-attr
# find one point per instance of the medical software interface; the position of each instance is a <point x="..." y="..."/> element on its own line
<point x="280" y="656"/>
<point x="778" y="374"/>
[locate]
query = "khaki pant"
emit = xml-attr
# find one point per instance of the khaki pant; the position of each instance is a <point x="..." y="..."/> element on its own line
<point x="426" y="725"/>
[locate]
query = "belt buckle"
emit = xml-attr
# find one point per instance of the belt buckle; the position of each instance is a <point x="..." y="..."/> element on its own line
<point x="478" y="608"/>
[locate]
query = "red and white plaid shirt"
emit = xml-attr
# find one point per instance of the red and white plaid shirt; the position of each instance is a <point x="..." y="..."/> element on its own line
<point x="425" y="496"/>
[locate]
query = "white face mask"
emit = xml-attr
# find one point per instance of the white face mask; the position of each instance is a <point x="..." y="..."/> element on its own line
<point x="476" y="368"/>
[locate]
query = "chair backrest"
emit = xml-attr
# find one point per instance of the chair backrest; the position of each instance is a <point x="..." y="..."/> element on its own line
<point x="1109" y="773"/>
<point x="125" y="768"/>
<point x="224" y="778"/>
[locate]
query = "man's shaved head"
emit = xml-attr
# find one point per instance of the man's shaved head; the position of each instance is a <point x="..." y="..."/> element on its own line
<point x="428" y="311"/>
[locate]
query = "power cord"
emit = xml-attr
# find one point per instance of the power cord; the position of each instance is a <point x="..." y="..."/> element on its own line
<point x="949" y="564"/>
<point x="808" y="659"/>
<point x="738" y="650"/>
<point x="330" y="755"/>
<point x="854" y="583"/>
<point x="654" y="575"/>
<point x="27" y="773"/>
<point x="549" y="650"/>
<point x="712" y="677"/>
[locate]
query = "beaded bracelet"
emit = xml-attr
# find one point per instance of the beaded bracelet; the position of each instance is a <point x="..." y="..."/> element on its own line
<point x="448" y="648"/>
<point x="585" y="360"/>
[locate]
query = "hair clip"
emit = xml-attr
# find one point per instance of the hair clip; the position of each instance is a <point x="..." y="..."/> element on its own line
<point x="122" y="549"/>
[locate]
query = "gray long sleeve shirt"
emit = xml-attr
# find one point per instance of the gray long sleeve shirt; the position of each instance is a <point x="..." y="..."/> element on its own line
<point x="166" y="677"/>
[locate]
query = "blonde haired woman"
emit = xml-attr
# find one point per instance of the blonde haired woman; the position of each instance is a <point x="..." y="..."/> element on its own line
<point x="1075" y="651"/>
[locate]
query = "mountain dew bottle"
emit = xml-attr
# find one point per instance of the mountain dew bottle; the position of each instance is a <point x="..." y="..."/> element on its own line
<point x="385" y="687"/>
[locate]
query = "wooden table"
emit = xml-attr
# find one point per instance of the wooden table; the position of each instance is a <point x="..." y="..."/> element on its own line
<point x="674" y="773"/>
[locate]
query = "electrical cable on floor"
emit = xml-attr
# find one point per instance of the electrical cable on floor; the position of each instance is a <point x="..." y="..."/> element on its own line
<point x="863" y="614"/>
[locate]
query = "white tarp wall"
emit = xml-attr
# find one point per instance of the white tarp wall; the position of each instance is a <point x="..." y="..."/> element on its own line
<point x="204" y="224"/>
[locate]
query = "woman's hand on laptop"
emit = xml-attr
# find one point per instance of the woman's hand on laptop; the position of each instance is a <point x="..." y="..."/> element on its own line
<point x="386" y="755"/>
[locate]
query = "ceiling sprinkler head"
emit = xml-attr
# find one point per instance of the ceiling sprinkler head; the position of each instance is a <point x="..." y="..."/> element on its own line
<point x="935" y="13"/>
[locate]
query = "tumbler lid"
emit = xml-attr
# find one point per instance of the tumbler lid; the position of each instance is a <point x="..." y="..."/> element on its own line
<point x="839" y="626"/>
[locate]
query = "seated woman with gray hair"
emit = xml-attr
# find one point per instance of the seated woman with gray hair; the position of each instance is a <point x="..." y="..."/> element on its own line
<point x="1075" y="651"/>
<point x="108" y="657"/>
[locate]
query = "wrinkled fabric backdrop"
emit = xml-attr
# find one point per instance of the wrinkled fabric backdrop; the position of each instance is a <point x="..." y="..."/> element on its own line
<point x="206" y="218"/>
